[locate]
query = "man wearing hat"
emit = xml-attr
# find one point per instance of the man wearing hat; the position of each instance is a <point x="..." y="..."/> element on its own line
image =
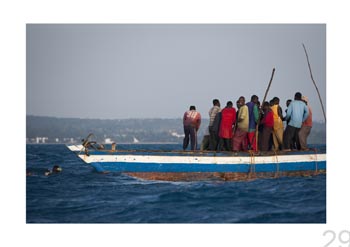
<point x="306" y="126"/>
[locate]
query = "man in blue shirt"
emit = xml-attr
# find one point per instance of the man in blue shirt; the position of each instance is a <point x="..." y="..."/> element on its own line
<point x="296" y="114"/>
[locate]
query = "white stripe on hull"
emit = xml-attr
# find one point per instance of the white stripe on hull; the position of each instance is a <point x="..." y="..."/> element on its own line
<point x="203" y="159"/>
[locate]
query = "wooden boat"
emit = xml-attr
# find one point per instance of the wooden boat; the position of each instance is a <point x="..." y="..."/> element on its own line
<point x="197" y="165"/>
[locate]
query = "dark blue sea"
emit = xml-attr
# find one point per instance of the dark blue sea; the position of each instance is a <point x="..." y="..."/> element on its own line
<point x="80" y="195"/>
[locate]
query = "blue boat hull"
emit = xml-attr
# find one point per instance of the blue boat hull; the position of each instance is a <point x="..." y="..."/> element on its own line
<point x="189" y="166"/>
<point x="174" y="167"/>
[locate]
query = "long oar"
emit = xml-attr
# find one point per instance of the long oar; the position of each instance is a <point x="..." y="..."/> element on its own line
<point x="312" y="78"/>
<point x="257" y="125"/>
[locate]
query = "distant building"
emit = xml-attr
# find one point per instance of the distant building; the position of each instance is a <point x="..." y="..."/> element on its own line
<point x="41" y="140"/>
<point x="175" y="134"/>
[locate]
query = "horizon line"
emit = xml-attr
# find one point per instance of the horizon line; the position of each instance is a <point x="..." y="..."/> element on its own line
<point x="131" y="118"/>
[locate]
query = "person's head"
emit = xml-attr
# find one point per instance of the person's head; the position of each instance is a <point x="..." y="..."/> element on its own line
<point x="258" y="103"/>
<point x="254" y="99"/>
<point x="305" y="99"/>
<point x="237" y="104"/>
<point x="216" y="102"/>
<point x="271" y="102"/>
<point x="192" y="107"/>
<point x="47" y="172"/>
<point x="56" y="169"/>
<point x="276" y="101"/>
<point x="288" y="102"/>
<point x="241" y="101"/>
<point x="229" y="104"/>
<point x="266" y="106"/>
<point x="297" y="96"/>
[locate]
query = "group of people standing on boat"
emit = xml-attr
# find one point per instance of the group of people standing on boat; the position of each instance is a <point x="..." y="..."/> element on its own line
<point x="251" y="126"/>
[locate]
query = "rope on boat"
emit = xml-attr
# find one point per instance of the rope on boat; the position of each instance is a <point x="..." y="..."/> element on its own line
<point x="316" y="162"/>
<point x="277" y="165"/>
<point x="81" y="150"/>
<point x="252" y="164"/>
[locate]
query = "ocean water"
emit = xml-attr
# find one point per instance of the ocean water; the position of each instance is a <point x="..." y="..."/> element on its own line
<point x="80" y="195"/>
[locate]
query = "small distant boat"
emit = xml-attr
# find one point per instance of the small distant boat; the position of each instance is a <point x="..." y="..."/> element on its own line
<point x="197" y="165"/>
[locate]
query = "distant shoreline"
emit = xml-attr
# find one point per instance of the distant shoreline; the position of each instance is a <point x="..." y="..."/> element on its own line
<point x="121" y="143"/>
<point x="45" y="130"/>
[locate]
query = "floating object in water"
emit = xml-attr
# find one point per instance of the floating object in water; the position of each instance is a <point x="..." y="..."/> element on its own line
<point x="55" y="169"/>
<point x="47" y="172"/>
<point x="28" y="173"/>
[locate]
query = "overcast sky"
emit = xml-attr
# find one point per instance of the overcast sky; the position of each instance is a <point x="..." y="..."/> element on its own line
<point x="146" y="71"/>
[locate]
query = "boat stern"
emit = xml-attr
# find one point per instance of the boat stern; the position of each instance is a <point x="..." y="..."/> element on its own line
<point x="76" y="148"/>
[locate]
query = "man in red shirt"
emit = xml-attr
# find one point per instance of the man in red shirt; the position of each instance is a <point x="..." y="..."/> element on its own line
<point x="267" y="123"/>
<point x="191" y="122"/>
<point x="228" y="119"/>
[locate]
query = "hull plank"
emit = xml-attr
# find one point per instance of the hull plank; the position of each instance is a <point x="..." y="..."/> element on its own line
<point x="218" y="176"/>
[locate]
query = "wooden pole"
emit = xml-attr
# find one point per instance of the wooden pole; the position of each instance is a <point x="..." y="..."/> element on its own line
<point x="312" y="78"/>
<point x="257" y="125"/>
<point x="268" y="87"/>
